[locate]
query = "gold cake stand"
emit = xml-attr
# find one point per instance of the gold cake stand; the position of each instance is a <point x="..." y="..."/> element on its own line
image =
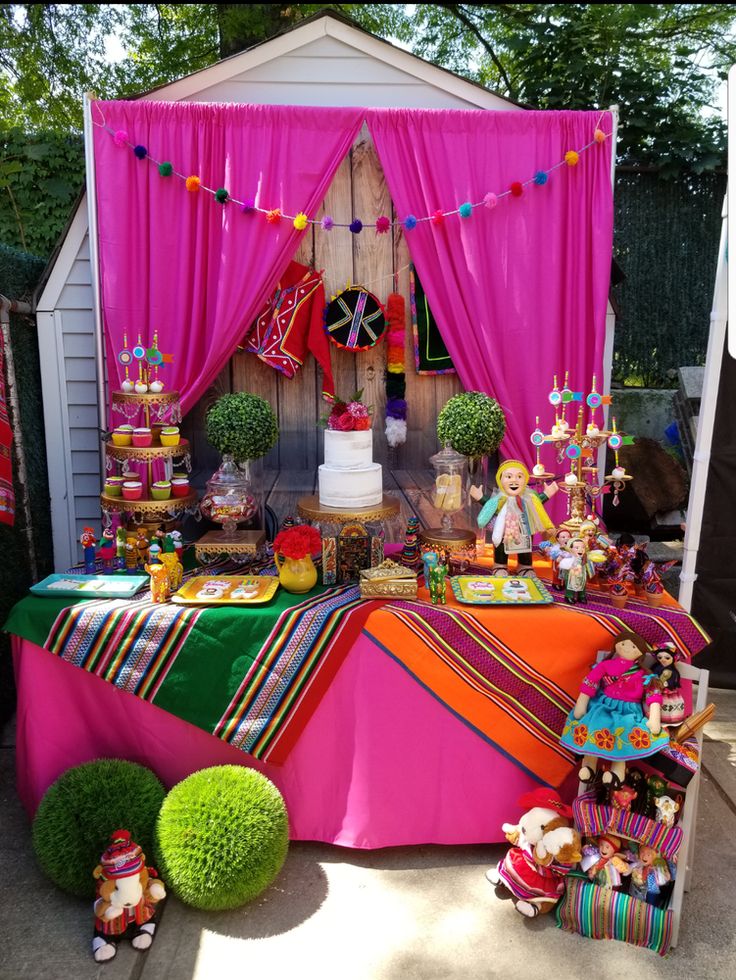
<point x="129" y="403"/>
<point x="238" y="545"/>
<point x="310" y="509"/>
<point x="151" y="514"/>
<point x="146" y="454"/>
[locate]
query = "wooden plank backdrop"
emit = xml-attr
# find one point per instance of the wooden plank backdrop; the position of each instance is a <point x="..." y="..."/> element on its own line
<point x="379" y="262"/>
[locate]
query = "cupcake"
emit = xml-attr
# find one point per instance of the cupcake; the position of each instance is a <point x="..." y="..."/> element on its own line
<point x="170" y="435"/>
<point x="132" y="490"/>
<point x="161" y="490"/>
<point x="114" y="486"/>
<point x="142" y="437"/>
<point x="121" y="437"/>
<point x="180" y="487"/>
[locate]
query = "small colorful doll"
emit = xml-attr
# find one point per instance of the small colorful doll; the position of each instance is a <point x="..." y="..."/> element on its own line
<point x="107" y="550"/>
<point x="141" y="546"/>
<point x="650" y="872"/>
<point x="127" y="898"/>
<point x="436" y="584"/>
<point x="576" y="568"/>
<point x="429" y="560"/>
<point x="121" y="536"/>
<point x="178" y="543"/>
<point x="665" y="667"/>
<point x="608" y="720"/>
<point x="88" y="542"/>
<point x="131" y="555"/>
<point x="555" y="551"/>
<point x="603" y="862"/>
<point x="517" y="512"/>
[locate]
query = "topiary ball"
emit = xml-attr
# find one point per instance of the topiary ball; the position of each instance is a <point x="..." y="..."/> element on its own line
<point x="243" y="425"/>
<point x="222" y="837"/>
<point x="473" y="423"/>
<point x="82" y="808"/>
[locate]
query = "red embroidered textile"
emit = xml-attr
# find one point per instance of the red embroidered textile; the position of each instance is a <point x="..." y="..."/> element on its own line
<point x="292" y="324"/>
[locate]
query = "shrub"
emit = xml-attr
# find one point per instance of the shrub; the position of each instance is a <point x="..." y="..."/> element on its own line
<point x="473" y="423"/>
<point x="222" y="837"/>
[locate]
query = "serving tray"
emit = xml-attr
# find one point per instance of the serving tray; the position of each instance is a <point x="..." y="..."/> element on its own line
<point x="500" y="590"/>
<point x="91" y="586"/>
<point x="227" y="590"/>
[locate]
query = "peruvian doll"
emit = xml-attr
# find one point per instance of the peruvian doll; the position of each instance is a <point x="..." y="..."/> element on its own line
<point x="666" y="658"/>
<point x="577" y="568"/>
<point x="608" y="720"/>
<point x="604" y="864"/>
<point x="517" y="512"/>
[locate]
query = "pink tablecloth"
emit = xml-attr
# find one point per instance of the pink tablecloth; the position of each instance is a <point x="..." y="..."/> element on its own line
<point x="380" y="763"/>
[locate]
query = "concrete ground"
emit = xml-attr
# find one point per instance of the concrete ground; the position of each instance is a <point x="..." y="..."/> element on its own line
<point x="421" y="913"/>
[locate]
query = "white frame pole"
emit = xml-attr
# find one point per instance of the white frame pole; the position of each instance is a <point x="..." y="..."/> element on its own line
<point x="706" y="420"/>
<point x="94" y="257"/>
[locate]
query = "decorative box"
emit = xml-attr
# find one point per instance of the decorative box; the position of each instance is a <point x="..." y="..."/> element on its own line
<point x="344" y="555"/>
<point x="388" y="581"/>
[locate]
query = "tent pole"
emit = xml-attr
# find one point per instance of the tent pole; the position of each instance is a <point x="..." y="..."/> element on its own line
<point x="94" y="256"/>
<point x="706" y="421"/>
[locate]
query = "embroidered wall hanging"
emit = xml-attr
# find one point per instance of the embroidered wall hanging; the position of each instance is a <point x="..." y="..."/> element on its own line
<point x="355" y="319"/>
<point x="430" y="353"/>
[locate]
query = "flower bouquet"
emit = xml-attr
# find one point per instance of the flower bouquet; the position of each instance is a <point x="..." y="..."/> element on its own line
<point x="348" y="416"/>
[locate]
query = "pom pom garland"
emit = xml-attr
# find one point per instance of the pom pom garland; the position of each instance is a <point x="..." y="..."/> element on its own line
<point x="571" y="158"/>
<point x="192" y="183"/>
<point x="516" y="189"/>
<point x="599" y="136"/>
<point x="328" y="223"/>
<point x="141" y="152"/>
<point x="273" y="217"/>
<point x="540" y="178"/>
<point x="248" y="207"/>
<point x="465" y="210"/>
<point x="396" y="408"/>
<point x="382" y="225"/>
<point x="395" y="368"/>
<point x="165" y="169"/>
<point x="301" y="221"/>
<point x="221" y="195"/>
<point x="438" y="218"/>
<point x="395" y="432"/>
<point x="410" y="222"/>
<point x="356" y="226"/>
<point x="490" y="200"/>
<point x="120" y="138"/>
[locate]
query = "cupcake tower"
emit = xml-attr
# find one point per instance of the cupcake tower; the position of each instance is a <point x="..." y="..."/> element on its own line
<point x="147" y="464"/>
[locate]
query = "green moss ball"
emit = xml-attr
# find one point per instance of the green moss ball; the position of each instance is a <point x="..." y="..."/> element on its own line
<point x="222" y="837"/>
<point x="80" y="811"/>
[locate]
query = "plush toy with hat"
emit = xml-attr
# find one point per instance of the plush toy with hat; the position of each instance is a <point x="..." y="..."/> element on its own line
<point x="545" y="850"/>
<point x="128" y="897"/>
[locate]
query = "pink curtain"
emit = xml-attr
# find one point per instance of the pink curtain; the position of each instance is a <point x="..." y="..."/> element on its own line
<point x="182" y="264"/>
<point x="519" y="292"/>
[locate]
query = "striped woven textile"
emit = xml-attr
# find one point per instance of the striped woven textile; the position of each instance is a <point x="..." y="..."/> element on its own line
<point x="602" y="913"/>
<point x="592" y="820"/>
<point x="293" y="669"/>
<point x="505" y="695"/>
<point x="130" y="644"/>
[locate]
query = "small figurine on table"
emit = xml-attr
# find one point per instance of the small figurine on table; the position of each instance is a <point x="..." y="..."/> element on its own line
<point x="555" y="550"/>
<point x="169" y="558"/>
<point x="107" y="550"/>
<point x="608" y="720"/>
<point x="437" y="584"/>
<point x="88" y="542"/>
<point x="121" y="536"/>
<point x="429" y="560"/>
<point x="577" y="568"/>
<point x="517" y="512"/>
<point x="131" y="555"/>
<point x="650" y="872"/>
<point x="178" y="543"/>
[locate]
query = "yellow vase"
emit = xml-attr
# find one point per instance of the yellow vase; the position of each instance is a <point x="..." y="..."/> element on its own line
<point x="297" y="574"/>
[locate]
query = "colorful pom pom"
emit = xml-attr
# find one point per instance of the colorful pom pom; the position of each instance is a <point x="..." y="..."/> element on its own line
<point x="165" y="169"/>
<point x="221" y="195"/>
<point x="382" y="225"/>
<point x="516" y="188"/>
<point x="571" y="158"/>
<point x="301" y="221"/>
<point x="599" y="136"/>
<point x="466" y="210"/>
<point x="120" y="138"/>
<point x="490" y="200"/>
<point x="410" y="222"/>
<point x="248" y="207"/>
<point x="273" y="217"/>
<point x="438" y="218"/>
<point x="328" y="223"/>
<point x="356" y="226"/>
<point x="540" y="178"/>
<point x="192" y="183"/>
<point x="141" y="152"/>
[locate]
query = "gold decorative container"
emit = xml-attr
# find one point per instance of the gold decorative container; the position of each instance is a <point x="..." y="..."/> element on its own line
<point x="388" y="581"/>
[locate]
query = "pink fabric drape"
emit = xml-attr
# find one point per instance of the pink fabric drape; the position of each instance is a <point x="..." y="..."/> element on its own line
<point x="519" y="292"/>
<point x="182" y="264"/>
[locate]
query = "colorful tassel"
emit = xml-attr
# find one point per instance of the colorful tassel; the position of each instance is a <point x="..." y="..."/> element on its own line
<point x="382" y="225"/>
<point x="192" y="183"/>
<point x="571" y="158"/>
<point x="395" y="368"/>
<point x="165" y="169"/>
<point x="301" y="221"/>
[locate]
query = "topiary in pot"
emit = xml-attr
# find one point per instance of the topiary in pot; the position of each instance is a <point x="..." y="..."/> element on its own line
<point x="242" y="425"/>
<point x="82" y="808"/>
<point x="222" y="837"/>
<point x="472" y="423"/>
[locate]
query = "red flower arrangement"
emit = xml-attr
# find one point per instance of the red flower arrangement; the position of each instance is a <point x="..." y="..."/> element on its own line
<point x="298" y="541"/>
<point x="348" y="416"/>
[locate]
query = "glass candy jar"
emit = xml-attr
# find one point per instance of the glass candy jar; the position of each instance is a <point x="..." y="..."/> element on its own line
<point x="448" y="495"/>
<point x="229" y="498"/>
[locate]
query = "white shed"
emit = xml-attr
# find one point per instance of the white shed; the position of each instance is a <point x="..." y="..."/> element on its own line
<point x="323" y="61"/>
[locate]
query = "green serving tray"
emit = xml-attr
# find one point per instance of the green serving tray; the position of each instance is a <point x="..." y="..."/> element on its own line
<point x="500" y="590"/>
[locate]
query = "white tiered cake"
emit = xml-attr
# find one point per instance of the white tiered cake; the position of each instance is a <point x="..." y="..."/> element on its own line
<point x="349" y="478"/>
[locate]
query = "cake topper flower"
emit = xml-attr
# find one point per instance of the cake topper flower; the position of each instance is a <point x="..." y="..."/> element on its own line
<point x="349" y="415"/>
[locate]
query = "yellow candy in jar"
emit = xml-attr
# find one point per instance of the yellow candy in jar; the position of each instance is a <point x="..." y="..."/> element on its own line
<point x="448" y="492"/>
